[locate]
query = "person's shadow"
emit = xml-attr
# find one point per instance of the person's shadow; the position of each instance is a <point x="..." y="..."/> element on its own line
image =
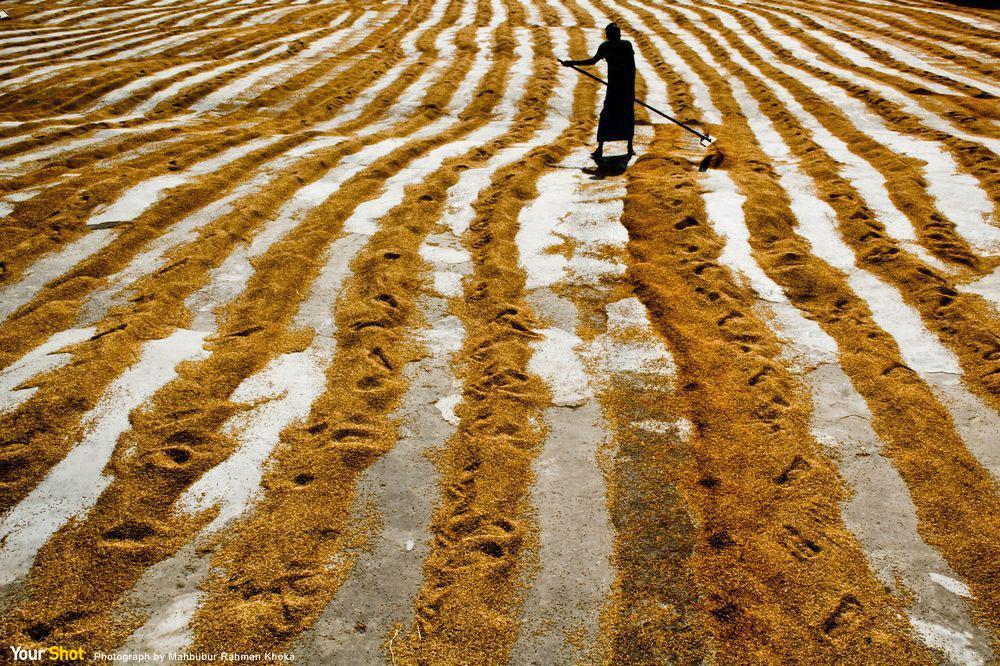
<point x="604" y="167"/>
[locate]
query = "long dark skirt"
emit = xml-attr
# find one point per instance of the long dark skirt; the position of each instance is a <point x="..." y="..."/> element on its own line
<point x="618" y="114"/>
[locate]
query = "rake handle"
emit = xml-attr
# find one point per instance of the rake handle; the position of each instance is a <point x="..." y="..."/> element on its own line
<point x="702" y="137"/>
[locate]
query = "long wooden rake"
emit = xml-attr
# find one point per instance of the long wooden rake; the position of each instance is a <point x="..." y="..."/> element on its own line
<point x="711" y="160"/>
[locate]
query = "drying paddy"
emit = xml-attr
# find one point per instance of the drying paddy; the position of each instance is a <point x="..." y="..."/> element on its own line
<point x="320" y="337"/>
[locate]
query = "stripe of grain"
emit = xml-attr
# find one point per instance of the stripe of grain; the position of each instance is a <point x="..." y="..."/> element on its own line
<point x="470" y="614"/>
<point x="567" y="593"/>
<point x="350" y="351"/>
<point x="841" y="422"/>
<point x="971" y="56"/>
<point x="132" y="204"/>
<point x="937" y="441"/>
<point x="927" y="118"/>
<point x="957" y="193"/>
<point x="153" y="258"/>
<point x="899" y="58"/>
<point x="86" y="240"/>
<point x="708" y="322"/>
<point x="72" y="486"/>
<point x="315" y="164"/>
<point x="109" y="514"/>
<point x="406" y="506"/>
<point x="929" y="358"/>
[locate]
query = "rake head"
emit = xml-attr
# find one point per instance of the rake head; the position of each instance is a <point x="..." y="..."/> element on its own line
<point x="713" y="158"/>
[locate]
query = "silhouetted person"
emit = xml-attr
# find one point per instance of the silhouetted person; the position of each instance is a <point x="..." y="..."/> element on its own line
<point x="618" y="114"/>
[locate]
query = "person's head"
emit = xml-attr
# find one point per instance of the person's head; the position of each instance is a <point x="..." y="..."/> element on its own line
<point x="613" y="32"/>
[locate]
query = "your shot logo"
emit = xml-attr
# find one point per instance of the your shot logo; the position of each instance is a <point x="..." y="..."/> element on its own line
<point x="54" y="653"/>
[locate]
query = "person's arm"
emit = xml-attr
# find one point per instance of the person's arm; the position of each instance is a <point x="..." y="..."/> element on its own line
<point x="597" y="57"/>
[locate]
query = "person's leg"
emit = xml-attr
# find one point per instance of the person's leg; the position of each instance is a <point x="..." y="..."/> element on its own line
<point x="630" y="151"/>
<point x="597" y="154"/>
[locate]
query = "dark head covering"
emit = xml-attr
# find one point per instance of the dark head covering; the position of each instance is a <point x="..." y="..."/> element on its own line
<point x="613" y="32"/>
